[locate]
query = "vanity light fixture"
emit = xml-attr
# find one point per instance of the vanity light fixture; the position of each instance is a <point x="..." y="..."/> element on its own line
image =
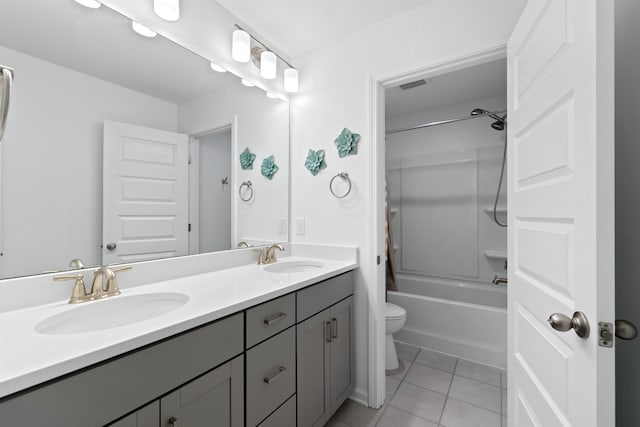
<point x="92" y="4"/>
<point x="169" y="10"/>
<point x="218" y="68"/>
<point x="291" y="80"/>
<point x="263" y="57"/>
<point x="142" y="30"/>
<point x="241" y="46"/>
<point x="271" y="95"/>
<point x="247" y="83"/>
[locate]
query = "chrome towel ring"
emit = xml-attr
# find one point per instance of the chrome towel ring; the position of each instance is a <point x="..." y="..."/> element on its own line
<point x="345" y="177"/>
<point x="248" y="188"/>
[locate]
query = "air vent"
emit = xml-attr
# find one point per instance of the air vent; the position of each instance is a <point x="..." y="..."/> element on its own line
<point x="411" y="85"/>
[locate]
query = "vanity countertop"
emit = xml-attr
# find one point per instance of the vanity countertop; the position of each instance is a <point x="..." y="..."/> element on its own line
<point x="28" y="358"/>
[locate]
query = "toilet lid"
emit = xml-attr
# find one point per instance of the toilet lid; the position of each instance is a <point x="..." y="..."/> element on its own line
<point x="393" y="311"/>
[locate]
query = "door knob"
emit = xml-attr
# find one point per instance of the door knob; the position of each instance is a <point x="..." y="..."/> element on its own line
<point x="578" y="323"/>
<point x="626" y="330"/>
<point x="111" y="246"/>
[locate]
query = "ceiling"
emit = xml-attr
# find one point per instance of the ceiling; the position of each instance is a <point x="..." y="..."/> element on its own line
<point x="100" y="43"/>
<point x="295" y="27"/>
<point x="458" y="87"/>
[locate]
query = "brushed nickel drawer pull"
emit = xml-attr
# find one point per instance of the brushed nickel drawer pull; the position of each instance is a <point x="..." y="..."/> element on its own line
<point x="281" y="371"/>
<point x="275" y="318"/>
<point x="173" y="421"/>
<point x="327" y="331"/>
<point x="334" y="328"/>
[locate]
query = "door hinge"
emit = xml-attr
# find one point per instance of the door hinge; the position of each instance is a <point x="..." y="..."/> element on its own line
<point x="605" y="334"/>
<point x="378" y="259"/>
<point x="189" y="228"/>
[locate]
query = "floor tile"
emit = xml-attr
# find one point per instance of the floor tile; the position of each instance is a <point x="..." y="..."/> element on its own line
<point x="478" y="372"/>
<point x="476" y="393"/>
<point x="394" y="417"/>
<point x="418" y="401"/>
<point x="436" y="360"/>
<point x="429" y="378"/>
<point x="407" y="351"/>
<point x="355" y="415"/>
<point x="460" y="414"/>
<point x="503" y="379"/>
<point x="391" y="385"/>
<point x="503" y="392"/>
<point x="405" y="365"/>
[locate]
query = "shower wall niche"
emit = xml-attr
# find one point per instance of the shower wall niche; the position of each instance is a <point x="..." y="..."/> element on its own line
<point x="442" y="182"/>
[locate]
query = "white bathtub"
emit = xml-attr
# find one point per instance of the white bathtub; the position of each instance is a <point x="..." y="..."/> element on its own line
<point x="467" y="320"/>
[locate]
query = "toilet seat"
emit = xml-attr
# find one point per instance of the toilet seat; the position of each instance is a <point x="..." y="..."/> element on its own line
<point x="393" y="311"/>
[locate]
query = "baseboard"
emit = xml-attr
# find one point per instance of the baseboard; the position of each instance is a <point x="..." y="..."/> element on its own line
<point x="360" y="396"/>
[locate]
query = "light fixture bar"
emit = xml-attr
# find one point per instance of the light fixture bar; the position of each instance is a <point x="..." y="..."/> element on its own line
<point x="265" y="46"/>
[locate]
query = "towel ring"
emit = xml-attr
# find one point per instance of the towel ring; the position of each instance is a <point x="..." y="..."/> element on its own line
<point x="249" y="187"/>
<point x="344" y="176"/>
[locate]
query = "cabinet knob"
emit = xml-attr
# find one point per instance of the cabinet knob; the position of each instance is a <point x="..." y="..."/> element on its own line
<point x="173" y="421"/>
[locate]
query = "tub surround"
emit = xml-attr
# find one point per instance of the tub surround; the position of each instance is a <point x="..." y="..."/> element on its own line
<point x="233" y="283"/>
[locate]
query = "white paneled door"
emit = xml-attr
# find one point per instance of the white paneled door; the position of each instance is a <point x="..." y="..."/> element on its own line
<point x="561" y="212"/>
<point x="145" y="193"/>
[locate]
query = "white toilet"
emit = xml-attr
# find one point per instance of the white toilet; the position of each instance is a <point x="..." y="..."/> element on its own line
<point x="394" y="318"/>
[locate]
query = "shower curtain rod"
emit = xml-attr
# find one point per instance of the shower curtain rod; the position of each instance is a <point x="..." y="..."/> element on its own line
<point x="444" y="122"/>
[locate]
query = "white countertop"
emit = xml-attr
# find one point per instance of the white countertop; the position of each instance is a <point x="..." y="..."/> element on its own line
<point x="28" y="358"/>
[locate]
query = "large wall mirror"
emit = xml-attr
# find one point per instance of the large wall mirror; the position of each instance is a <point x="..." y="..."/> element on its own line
<point x="124" y="148"/>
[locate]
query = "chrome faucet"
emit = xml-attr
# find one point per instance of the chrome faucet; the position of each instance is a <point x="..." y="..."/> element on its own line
<point x="102" y="276"/>
<point x="271" y="253"/>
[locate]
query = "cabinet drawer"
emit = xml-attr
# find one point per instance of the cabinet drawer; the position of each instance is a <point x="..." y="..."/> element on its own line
<point x="271" y="375"/>
<point x="317" y="297"/>
<point x="284" y="416"/>
<point x="266" y="320"/>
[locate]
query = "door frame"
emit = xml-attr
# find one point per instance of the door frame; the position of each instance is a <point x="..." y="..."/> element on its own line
<point x="194" y="187"/>
<point x="377" y="86"/>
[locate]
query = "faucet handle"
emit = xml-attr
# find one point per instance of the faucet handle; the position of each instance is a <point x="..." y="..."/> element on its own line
<point x="79" y="292"/>
<point x="112" y="282"/>
<point x="262" y="255"/>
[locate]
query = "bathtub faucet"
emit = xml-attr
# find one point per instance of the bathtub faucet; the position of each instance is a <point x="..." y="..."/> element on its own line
<point x="499" y="280"/>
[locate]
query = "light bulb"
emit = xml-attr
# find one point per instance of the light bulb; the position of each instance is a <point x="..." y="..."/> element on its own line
<point x="93" y="4"/>
<point x="218" y="68"/>
<point x="169" y="10"/>
<point x="247" y="83"/>
<point x="268" y="64"/>
<point x="142" y="30"/>
<point x="240" y="48"/>
<point x="291" y="80"/>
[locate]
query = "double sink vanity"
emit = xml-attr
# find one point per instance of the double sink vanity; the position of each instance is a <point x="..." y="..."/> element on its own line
<point x="245" y="345"/>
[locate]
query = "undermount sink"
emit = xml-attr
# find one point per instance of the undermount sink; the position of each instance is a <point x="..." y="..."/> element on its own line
<point x="293" y="266"/>
<point x="111" y="313"/>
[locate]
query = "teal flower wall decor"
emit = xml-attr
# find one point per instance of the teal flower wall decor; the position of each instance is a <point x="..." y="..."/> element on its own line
<point x="246" y="159"/>
<point x="315" y="161"/>
<point x="269" y="167"/>
<point x="347" y="142"/>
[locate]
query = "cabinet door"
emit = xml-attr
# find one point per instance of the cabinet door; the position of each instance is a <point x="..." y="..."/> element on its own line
<point x="341" y="352"/>
<point x="216" y="398"/>
<point x="149" y="416"/>
<point x="314" y="404"/>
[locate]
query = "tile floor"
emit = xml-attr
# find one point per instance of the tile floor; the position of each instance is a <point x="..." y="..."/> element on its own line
<point x="434" y="390"/>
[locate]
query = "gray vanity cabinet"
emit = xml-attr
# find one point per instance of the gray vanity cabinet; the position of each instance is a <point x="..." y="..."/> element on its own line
<point x="149" y="416"/>
<point x="216" y="398"/>
<point x="324" y="349"/>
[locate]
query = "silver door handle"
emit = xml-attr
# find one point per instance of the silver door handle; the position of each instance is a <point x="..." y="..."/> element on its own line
<point x="281" y="372"/>
<point x="5" y="97"/>
<point x="578" y="323"/>
<point x="334" y="328"/>
<point x="111" y="246"/>
<point x="274" y="318"/>
<point x="626" y="330"/>
<point x="327" y="331"/>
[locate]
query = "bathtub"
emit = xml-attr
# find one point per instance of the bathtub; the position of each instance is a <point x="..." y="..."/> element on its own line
<point x="464" y="319"/>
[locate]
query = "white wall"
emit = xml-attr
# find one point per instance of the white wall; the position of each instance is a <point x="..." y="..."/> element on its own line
<point x="334" y="93"/>
<point x="52" y="162"/>
<point x="263" y="127"/>
<point x="214" y="199"/>
<point x="627" y="207"/>
<point x="441" y="179"/>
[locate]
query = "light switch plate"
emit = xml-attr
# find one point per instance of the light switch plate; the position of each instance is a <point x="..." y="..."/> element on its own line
<point x="300" y="226"/>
